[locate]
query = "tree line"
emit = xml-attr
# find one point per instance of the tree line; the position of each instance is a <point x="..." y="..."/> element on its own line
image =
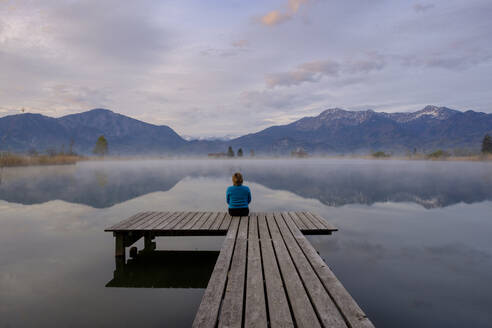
<point x="230" y="152"/>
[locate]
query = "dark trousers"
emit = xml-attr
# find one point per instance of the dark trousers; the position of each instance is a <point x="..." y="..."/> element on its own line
<point x="239" y="211"/>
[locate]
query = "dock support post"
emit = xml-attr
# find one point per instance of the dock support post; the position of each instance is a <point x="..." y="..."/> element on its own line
<point x="119" y="249"/>
<point x="149" y="245"/>
<point x="120" y="263"/>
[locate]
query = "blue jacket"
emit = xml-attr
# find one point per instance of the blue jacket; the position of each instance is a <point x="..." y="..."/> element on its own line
<point x="238" y="196"/>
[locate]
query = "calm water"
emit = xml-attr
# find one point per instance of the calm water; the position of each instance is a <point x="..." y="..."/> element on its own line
<point x="414" y="245"/>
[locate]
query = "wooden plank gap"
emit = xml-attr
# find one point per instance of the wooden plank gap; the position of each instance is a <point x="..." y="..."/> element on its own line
<point x="211" y="304"/>
<point x="301" y="306"/>
<point x="279" y="308"/>
<point x="232" y="309"/>
<point x="326" y="311"/>
<point x="348" y="308"/>
<point x="255" y="308"/>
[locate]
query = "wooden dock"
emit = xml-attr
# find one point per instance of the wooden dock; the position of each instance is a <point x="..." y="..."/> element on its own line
<point x="267" y="273"/>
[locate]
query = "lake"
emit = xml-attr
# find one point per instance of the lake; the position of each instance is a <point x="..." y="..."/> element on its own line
<point x="414" y="245"/>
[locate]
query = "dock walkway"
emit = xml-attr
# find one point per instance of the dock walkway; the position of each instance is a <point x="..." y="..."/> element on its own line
<point x="267" y="273"/>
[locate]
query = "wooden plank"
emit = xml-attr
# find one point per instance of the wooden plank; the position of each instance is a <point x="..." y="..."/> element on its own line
<point x="231" y="313"/>
<point x="325" y="308"/>
<point x="121" y="223"/>
<point x="188" y="217"/>
<point x="162" y="218"/>
<point x="327" y="225"/>
<point x="193" y="221"/>
<point x="210" y="221"/>
<point x="308" y="223"/>
<point x="176" y="217"/>
<point x="208" y="312"/>
<point x="201" y="221"/>
<point x="218" y="221"/>
<point x="318" y="223"/>
<point x="350" y="310"/>
<point x="317" y="218"/>
<point x="301" y="306"/>
<point x="135" y="219"/>
<point x="255" y="309"/>
<point x="225" y="224"/>
<point x="300" y="223"/>
<point x="129" y="221"/>
<point x="278" y="306"/>
<point x="135" y="223"/>
<point x="314" y="223"/>
<point x="149" y="220"/>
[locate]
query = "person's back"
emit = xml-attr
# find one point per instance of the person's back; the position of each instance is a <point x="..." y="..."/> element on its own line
<point x="238" y="196"/>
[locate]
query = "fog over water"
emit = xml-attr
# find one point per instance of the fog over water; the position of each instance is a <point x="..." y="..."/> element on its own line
<point x="332" y="182"/>
<point x="413" y="245"/>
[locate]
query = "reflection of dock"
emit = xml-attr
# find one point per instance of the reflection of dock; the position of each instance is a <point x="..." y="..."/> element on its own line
<point x="266" y="274"/>
<point x="166" y="269"/>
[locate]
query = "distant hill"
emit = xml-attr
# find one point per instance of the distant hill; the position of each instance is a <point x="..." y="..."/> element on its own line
<point x="125" y="135"/>
<point x="341" y="131"/>
<point x="334" y="131"/>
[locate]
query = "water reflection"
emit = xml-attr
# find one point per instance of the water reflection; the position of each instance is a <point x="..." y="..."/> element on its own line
<point x="332" y="182"/>
<point x="428" y="268"/>
<point x="406" y="266"/>
<point x="165" y="269"/>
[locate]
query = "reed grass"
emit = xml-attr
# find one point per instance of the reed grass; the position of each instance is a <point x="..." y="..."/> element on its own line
<point x="9" y="159"/>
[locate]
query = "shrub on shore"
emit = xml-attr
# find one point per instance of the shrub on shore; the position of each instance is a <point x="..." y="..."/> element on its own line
<point x="380" y="154"/>
<point x="438" y="154"/>
<point x="8" y="159"/>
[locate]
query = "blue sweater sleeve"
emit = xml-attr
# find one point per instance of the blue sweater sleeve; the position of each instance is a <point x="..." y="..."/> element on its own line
<point x="228" y="196"/>
<point x="249" y="196"/>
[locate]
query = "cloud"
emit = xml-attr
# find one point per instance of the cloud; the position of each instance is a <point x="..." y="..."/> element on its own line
<point x="375" y="63"/>
<point x="78" y="96"/>
<point x="240" y="43"/>
<point x="294" y="5"/>
<point x="458" y="62"/>
<point x="259" y="100"/>
<point x="275" y="17"/>
<point x="314" y="71"/>
<point x="235" y="50"/>
<point x="106" y="29"/>
<point x="450" y="60"/>
<point x="278" y="106"/>
<point x="420" y="8"/>
<point x="307" y="72"/>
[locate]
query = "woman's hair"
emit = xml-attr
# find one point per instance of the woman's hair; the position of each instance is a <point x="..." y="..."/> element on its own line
<point x="237" y="179"/>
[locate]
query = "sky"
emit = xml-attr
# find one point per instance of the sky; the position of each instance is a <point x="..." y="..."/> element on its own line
<point x="226" y="68"/>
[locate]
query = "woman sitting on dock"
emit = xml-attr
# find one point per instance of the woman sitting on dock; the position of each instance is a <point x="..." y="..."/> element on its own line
<point x="238" y="196"/>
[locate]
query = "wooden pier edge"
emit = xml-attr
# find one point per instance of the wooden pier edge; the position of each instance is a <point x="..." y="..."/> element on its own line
<point x="267" y="273"/>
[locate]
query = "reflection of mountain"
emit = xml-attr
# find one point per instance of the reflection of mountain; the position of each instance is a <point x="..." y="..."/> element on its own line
<point x="166" y="269"/>
<point x="97" y="187"/>
<point x="334" y="183"/>
<point x="430" y="186"/>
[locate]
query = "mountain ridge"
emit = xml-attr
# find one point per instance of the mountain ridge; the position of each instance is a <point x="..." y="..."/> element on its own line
<point x="334" y="130"/>
<point x="337" y="130"/>
<point x="125" y="135"/>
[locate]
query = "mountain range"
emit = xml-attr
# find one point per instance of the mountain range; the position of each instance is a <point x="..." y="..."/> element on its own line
<point x="333" y="131"/>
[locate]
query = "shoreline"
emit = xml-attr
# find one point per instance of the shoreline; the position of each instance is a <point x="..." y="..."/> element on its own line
<point x="14" y="160"/>
<point x="11" y="160"/>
